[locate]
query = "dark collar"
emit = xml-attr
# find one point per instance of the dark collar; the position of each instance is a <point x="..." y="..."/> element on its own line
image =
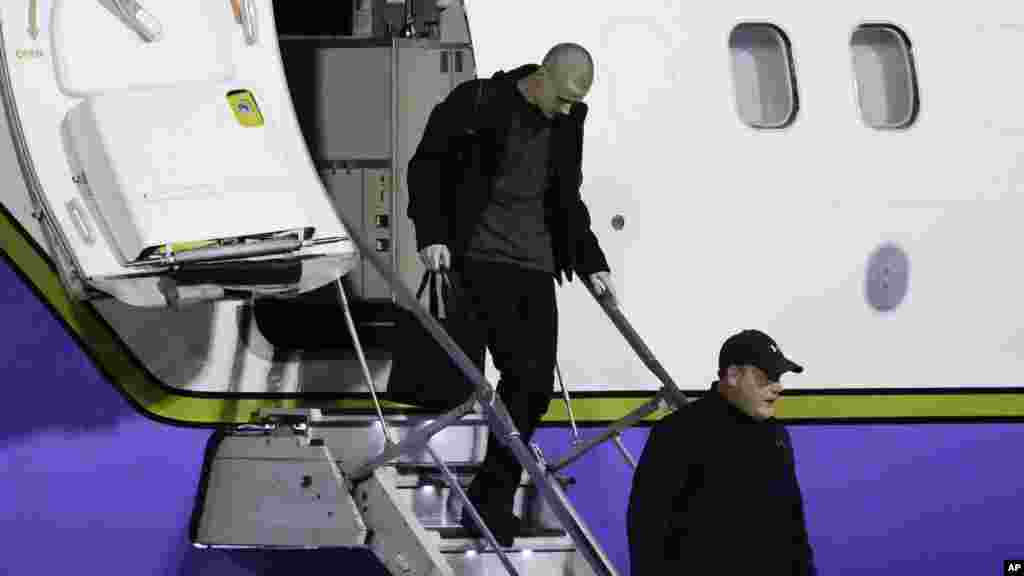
<point x="717" y="400"/>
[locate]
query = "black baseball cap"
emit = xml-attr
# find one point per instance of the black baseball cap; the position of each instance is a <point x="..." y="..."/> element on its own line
<point x="755" y="348"/>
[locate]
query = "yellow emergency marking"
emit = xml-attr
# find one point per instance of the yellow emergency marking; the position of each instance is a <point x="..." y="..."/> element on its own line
<point x="243" y="105"/>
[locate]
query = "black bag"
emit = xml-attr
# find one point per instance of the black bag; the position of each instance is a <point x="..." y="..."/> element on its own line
<point x="422" y="373"/>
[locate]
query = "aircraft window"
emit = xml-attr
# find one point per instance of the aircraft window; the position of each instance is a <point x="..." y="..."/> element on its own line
<point x="884" y="69"/>
<point x="763" y="79"/>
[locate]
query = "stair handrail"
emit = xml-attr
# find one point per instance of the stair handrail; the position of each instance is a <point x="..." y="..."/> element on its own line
<point x="669" y="396"/>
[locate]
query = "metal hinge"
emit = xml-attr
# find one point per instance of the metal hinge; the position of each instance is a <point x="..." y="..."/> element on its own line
<point x="283" y="420"/>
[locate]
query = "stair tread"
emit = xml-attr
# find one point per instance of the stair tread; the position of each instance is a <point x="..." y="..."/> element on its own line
<point x="458" y="532"/>
<point x="461" y="468"/>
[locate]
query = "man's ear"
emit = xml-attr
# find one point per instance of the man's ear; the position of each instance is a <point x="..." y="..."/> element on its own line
<point x="732" y="375"/>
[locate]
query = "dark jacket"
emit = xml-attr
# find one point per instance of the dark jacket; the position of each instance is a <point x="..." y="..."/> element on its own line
<point x="715" y="492"/>
<point x="450" y="175"/>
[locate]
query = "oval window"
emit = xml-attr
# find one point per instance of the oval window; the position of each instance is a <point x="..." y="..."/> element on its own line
<point x="884" y="71"/>
<point x="763" y="79"/>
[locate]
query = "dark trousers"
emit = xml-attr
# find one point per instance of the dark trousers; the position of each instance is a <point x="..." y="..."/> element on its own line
<point x="515" y="316"/>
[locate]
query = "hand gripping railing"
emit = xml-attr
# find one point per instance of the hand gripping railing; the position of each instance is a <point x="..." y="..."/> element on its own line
<point x="498" y="418"/>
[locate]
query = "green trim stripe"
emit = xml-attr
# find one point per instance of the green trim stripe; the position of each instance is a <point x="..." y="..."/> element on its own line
<point x="826" y="407"/>
<point x="966" y="405"/>
<point x="159" y="402"/>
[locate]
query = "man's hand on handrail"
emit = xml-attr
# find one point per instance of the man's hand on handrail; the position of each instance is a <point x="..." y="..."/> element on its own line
<point x="601" y="286"/>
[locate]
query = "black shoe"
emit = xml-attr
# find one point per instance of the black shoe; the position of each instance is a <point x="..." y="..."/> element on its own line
<point x="504" y="525"/>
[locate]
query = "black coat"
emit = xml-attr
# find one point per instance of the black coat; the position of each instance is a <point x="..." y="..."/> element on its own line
<point x="715" y="492"/>
<point x="450" y="175"/>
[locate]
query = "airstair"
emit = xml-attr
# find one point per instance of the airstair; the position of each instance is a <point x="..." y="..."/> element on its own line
<point x="163" y="166"/>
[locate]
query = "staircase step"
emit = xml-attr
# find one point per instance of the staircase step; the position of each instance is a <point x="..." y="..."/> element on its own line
<point x="528" y="557"/>
<point x="436" y="506"/>
<point x="460" y="533"/>
<point x="535" y="553"/>
<point x="428" y="471"/>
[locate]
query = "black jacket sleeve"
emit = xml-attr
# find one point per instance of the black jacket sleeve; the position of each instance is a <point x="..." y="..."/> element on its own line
<point x="589" y="257"/>
<point x="429" y="195"/>
<point x="659" y="478"/>
<point x="803" y="551"/>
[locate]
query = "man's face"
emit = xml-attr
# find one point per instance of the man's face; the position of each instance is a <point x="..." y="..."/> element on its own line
<point x="754" y="393"/>
<point x="559" y="93"/>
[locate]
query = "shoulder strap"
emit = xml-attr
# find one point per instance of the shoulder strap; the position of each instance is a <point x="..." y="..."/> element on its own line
<point x="434" y="310"/>
<point x="423" y="283"/>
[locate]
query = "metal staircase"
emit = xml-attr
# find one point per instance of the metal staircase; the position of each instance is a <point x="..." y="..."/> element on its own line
<point x="302" y="478"/>
<point x="406" y="512"/>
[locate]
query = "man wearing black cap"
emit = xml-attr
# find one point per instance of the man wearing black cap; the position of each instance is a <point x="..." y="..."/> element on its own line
<point x="715" y="490"/>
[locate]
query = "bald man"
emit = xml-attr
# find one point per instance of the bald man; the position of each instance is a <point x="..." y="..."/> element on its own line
<point x="494" y="195"/>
